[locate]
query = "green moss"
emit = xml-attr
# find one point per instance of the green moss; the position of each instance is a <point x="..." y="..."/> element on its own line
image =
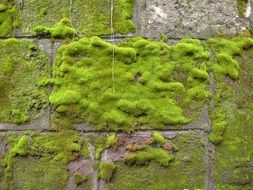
<point x="232" y="167"/>
<point x="104" y="142"/>
<point x="42" y="13"/>
<point x="21" y="69"/>
<point x="241" y="7"/>
<point x="112" y="140"/>
<point x="106" y="170"/>
<point x="181" y="173"/>
<point x="79" y="178"/>
<point x="218" y="125"/>
<point x="99" y="12"/>
<point x="140" y="90"/>
<point x="158" y="138"/>
<point x="57" y="149"/>
<point x="150" y="154"/>
<point x="225" y="51"/>
<point x="6" y="19"/>
<point x="62" y="29"/>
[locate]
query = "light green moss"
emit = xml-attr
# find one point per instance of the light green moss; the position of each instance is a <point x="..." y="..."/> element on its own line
<point x="22" y="66"/>
<point x="149" y="154"/>
<point x="6" y="19"/>
<point x="158" y="137"/>
<point x="79" y="178"/>
<point x="106" y="170"/>
<point x="62" y="29"/>
<point x="140" y="90"/>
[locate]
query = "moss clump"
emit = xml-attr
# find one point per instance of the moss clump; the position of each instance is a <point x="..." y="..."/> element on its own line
<point x="218" y="125"/>
<point x="225" y="51"/>
<point x="139" y="88"/>
<point x="6" y="16"/>
<point x="105" y="142"/>
<point x="99" y="12"/>
<point x="55" y="148"/>
<point x="106" y="170"/>
<point x="79" y="178"/>
<point x="22" y="66"/>
<point x="62" y="29"/>
<point x="241" y="7"/>
<point x="149" y="154"/>
<point x="158" y="138"/>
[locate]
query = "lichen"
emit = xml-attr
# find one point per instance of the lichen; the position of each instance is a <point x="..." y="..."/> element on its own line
<point x="22" y="66"/>
<point x="92" y="89"/>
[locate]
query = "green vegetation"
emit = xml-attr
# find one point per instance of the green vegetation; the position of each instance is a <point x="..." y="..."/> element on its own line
<point x="99" y="12"/>
<point x="226" y="53"/>
<point x="148" y="84"/>
<point x="79" y="178"/>
<point x="55" y="149"/>
<point x="41" y="13"/>
<point x="22" y="66"/>
<point x="158" y="138"/>
<point x="181" y="173"/>
<point x="241" y="7"/>
<point x="154" y="154"/>
<point x="233" y="158"/>
<point x="6" y="19"/>
<point x="106" y="170"/>
<point x="104" y="142"/>
<point x="62" y="29"/>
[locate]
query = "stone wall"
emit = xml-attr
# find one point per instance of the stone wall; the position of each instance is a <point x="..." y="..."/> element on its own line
<point x="44" y="147"/>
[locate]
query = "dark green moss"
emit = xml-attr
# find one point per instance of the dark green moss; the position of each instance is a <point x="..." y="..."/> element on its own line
<point x="139" y="88"/>
<point x="22" y="66"/>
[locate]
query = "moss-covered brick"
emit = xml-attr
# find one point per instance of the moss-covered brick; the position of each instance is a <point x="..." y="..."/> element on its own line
<point x="140" y="87"/>
<point x="39" y="161"/>
<point x="22" y="66"/>
<point x="234" y="155"/>
<point x="45" y="13"/>
<point x="186" y="171"/>
<point x="94" y="17"/>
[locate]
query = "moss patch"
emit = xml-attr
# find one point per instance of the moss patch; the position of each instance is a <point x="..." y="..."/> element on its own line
<point x="106" y="170"/>
<point x="234" y="156"/>
<point x="22" y="66"/>
<point x="148" y="84"/>
<point x="99" y="12"/>
<point x="49" y="153"/>
<point x="184" y="172"/>
<point x="46" y="13"/>
<point x="7" y="16"/>
<point x="62" y="29"/>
